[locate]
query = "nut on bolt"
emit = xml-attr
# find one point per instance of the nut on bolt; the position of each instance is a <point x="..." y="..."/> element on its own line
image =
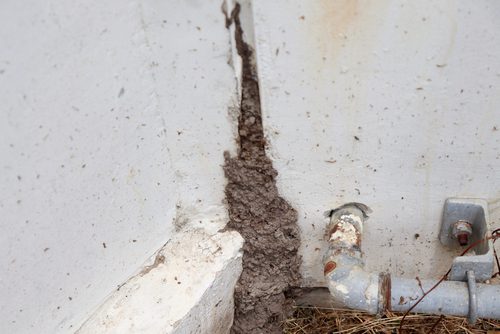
<point x="462" y="230"/>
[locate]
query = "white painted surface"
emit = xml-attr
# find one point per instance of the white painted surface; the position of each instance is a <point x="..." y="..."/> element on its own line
<point x="417" y="82"/>
<point x="190" y="292"/>
<point x="113" y="123"/>
<point x="114" y="119"/>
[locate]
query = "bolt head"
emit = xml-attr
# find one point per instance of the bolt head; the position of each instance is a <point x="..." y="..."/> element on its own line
<point x="462" y="231"/>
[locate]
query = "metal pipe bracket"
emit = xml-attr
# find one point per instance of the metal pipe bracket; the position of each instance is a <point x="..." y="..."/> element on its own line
<point x="473" y="212"/>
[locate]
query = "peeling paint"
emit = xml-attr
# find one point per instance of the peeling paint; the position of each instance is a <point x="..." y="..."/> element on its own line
<point x="371" y="292"/>
<point x="353" y="219"/>
<point x="345" y="232"/>
<point x="342" y="288"/>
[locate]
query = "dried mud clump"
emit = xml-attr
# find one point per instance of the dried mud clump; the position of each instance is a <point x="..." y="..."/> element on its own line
<point x="264" y="219"/>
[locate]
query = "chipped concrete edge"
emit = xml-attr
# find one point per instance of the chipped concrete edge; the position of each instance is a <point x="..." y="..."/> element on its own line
<point x="186" y="287"/>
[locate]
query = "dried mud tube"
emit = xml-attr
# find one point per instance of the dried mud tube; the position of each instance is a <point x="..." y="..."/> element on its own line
<point x="264" y="219"/>
<point x="323" y="321"/>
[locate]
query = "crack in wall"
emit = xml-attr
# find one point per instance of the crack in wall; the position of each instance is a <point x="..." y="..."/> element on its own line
<point x="265" y="220"/>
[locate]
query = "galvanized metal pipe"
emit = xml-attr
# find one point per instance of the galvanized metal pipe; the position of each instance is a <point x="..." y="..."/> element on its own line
<point x="348" y="282"/>
<point x="353" y="287"/>
<point x="449" y="298"/>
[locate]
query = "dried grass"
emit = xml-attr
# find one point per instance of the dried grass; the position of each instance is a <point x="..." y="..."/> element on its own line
<point x="323" y="321"/>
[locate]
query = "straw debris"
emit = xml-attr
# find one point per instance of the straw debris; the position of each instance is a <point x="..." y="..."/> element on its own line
<point x="322" y="321"/>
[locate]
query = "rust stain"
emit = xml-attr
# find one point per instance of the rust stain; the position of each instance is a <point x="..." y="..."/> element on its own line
<point x="332" y="231"/>
<point x="385" y="293"/>
<point x="335" y="25"/>
<point x="340" y="228"/>
<point x="340" y="37"/>
<point x="453" y="27"/>
<point x="329" y="267"/>
<point x="337" y="16"/>
<point x="330" y="24"/>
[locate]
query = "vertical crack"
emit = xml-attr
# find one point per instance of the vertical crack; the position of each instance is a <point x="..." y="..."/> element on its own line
<point x="265" y="220"/>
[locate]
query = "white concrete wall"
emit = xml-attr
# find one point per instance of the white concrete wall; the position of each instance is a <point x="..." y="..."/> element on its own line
<point x="395" y="104"/>
<point x="113" y="122"/>
<point x="114" y="117"/>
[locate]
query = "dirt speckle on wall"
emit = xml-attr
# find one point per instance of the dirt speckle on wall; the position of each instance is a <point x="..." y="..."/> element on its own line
<point x="264" y="219"/>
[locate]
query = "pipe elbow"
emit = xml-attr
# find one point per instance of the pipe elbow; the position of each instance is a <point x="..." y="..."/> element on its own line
<point x="351" y="286"/>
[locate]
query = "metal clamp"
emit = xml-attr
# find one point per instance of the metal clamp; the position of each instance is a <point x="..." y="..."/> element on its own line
<point x="471" y="284"/>
<point x="465" y="220"/>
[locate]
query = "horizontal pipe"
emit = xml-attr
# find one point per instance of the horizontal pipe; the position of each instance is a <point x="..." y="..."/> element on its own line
<point x="449" y="298"/>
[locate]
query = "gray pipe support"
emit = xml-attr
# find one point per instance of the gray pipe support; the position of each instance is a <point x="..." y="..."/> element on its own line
<point x="353" y="287"/>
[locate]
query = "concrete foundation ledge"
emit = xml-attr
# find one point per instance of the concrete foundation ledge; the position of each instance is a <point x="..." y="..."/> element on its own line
<point x="187" y="288"/>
